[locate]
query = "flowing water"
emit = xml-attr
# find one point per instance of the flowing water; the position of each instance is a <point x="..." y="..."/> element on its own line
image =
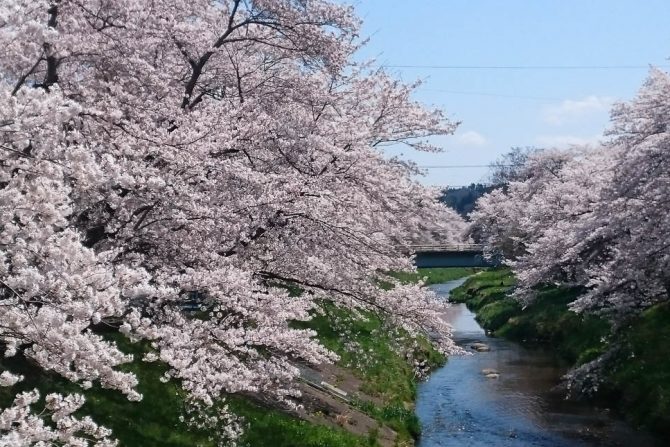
<point x="459" y="406"/>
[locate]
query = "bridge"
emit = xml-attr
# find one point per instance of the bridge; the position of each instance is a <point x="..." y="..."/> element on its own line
<point x="450" y="255"/>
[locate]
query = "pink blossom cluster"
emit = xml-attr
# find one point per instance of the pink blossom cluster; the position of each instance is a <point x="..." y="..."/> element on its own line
<point x="21" y="426"/>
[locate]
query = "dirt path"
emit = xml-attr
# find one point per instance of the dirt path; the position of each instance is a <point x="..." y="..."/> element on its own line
<point x="325" y="405"/>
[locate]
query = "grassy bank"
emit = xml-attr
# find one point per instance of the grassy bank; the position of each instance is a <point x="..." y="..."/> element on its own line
<point x="369" y="348"/>
<point x="380" y="355"/>
<point x="577" y="338"/>
<point x="638" y="378"/>
<point x="435" y="275"/>
<point x="155" y="421"/>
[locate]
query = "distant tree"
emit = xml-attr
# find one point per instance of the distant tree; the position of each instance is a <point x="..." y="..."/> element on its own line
<point x="510" y="166"/>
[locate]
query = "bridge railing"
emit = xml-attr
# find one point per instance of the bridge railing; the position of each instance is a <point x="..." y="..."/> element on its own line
<point x="444" y="247"/>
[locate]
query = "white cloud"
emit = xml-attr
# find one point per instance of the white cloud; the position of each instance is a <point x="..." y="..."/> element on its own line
<point x="564" y="141"/>
<point x="471" y="138"/>
<point x="571" y="109"/>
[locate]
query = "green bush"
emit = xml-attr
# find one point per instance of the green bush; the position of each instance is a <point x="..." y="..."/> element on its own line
<point x="495" y="314"/>
<point x="547" y="319"/>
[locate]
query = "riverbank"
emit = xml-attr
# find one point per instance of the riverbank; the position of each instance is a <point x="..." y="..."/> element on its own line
<point x="375" y="370"/>
<point x="377" y="411"/>
<point x="377" y="365"/>
<point x="158" y="419"/>
<point x="438" y="275"/>
<point x="637" y="382"/>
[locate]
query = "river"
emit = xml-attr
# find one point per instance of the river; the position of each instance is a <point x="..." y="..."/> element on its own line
<point x="459" y="406"/>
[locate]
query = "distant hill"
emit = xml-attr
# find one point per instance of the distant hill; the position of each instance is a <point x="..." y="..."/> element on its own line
<point x="463" y="199"/>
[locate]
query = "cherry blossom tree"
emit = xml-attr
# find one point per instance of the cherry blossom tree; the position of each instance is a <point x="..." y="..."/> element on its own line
<point x="630" y="252"/>
<point x="152" y="151"/>
<point x="502" y="218"/>
<point x="597" y="220"/>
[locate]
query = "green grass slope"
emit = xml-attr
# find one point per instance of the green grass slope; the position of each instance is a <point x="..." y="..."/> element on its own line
<point x="155" y="421"/>
<point x="435" y="275"/>
<point x="640" y="376"/>
<point x="373" y="352"/>
<point x="577" y="338"/>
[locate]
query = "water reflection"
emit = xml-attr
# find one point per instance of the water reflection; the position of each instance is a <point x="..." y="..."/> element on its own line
<point x="459" y="406"/>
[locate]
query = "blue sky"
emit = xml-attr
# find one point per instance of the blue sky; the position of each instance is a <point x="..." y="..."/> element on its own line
<point x="501" y="108"/>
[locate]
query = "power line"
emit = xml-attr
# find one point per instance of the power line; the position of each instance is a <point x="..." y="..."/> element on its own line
<point x="495" y="95"/>
<point x="485" y="185"/>
<point x="529" y="67"/>
<point x="465" y="166"/>
<point x="453" y="166"/>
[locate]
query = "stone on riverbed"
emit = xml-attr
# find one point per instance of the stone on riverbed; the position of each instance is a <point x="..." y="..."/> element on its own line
<point x="480" y="347"/>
